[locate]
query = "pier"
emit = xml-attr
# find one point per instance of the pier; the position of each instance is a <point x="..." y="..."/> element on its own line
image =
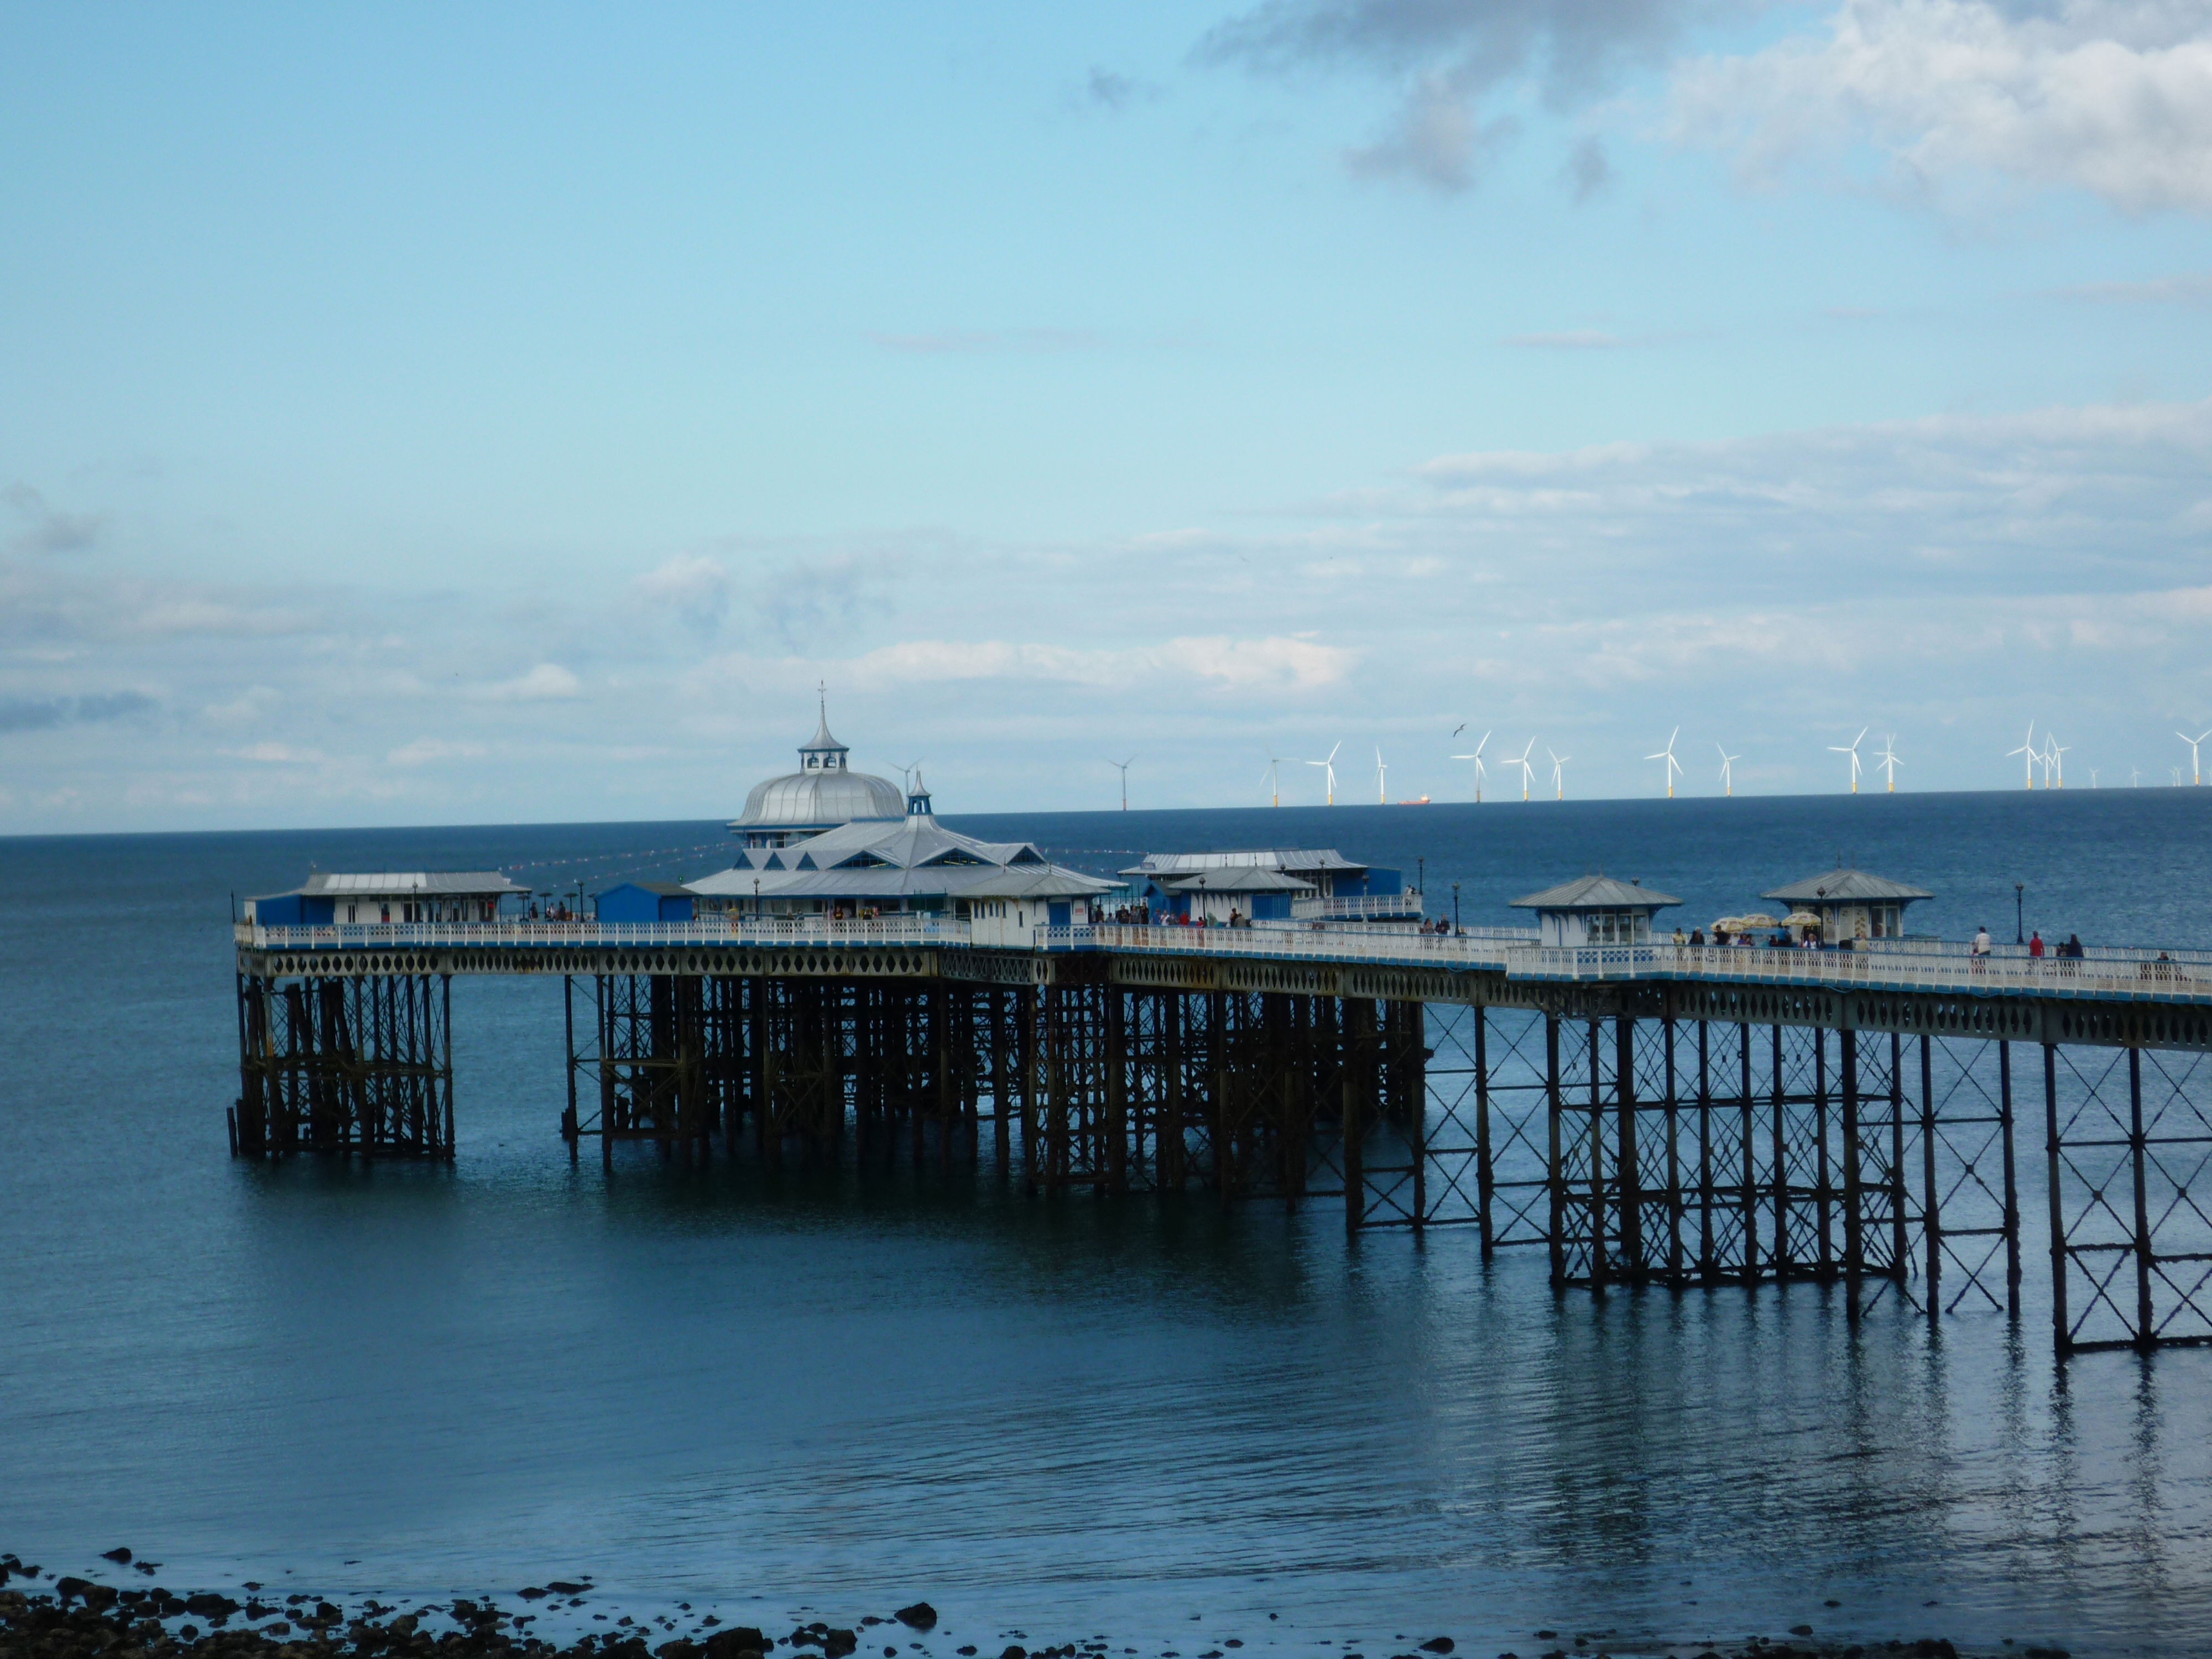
<point x="1642" y="1109"/>
<point x="1644" y="1114"/>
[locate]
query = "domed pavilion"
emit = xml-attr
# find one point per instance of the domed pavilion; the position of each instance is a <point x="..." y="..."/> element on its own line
<point x="826" y="840"/>
<point x="823" y="794"/>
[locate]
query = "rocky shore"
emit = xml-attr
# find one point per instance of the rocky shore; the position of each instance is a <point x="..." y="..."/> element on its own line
<point x="49" y="1615"/>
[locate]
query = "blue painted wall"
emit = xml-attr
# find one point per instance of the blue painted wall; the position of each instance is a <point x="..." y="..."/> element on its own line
<point x="631" y="904"/>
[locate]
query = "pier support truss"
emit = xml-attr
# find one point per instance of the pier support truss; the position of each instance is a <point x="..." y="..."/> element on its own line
<point x="1637" y="1134"/>
<point x="2128" y="1138"/>
<point x="357" y="1063"/>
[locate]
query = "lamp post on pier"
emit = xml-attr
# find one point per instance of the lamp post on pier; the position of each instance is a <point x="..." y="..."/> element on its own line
<point x="1454" y="910"/>
<point x="2018" y="909"/>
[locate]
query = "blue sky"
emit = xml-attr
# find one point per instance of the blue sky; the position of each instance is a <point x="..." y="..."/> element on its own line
<point x="408" y="417"/>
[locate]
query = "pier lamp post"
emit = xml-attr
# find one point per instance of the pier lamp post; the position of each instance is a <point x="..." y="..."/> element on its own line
<point x="1455" y="908"/>
<point x="2018" y="909"/>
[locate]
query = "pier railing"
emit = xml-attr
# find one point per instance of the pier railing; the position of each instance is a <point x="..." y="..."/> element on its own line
<point x="2148" y="975"/>
<point x="1959" y="949"/>
<point x="2107" y="972"/>
<point x="1356" y="908"/>
<point x="1483" y="948"/>
<point x="704" y="930"/>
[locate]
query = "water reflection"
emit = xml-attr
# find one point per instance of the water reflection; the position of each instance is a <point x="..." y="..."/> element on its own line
<point x="846" y="1389"/>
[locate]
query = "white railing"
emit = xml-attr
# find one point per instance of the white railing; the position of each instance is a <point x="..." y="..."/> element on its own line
<point x="1401" y="945"/>
<point x="704" y="930"/>
<point x="1360" y="907"/>
<point x="1960" y="949"/>
<point x="2108" y="972"/>
<point x="2165" y="980"/>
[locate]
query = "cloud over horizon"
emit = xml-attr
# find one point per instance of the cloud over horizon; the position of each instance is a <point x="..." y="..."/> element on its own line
<point x="1933" y="574"/>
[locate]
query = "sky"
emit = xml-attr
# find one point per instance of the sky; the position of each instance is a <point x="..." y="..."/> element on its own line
<point x="414" y="414"/>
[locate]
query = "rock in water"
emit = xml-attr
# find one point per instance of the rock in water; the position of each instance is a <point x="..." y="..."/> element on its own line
<point x="120" y="1557"/>
<point x="1437" y="1644"/>
<point x="920" y="1616"/>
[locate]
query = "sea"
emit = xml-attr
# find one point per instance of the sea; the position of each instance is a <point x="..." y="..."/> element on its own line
<point x="832" y="1392"/>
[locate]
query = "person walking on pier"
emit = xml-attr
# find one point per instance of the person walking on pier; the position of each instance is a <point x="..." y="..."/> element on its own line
<point x="2035" y="944"/>
<point x="1977" y="953"/>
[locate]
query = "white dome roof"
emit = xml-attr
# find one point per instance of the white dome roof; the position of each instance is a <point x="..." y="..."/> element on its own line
<point x="819" y="800"/>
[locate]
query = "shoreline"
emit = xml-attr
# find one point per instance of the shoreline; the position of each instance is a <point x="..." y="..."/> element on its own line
<point x="45" y="1615"/>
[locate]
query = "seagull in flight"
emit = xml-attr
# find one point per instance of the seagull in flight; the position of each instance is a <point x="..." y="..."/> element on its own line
<point x="1460" y="727"/>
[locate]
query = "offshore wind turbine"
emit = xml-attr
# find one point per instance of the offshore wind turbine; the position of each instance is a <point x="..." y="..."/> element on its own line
<point x="1124" y="767"/>
<point x="1559" y="776"/>
<point x="1527" y="772"/>
<point x="2056" y="751"/>
<point x="1477" y="758"/>
<point x="1853" y="751"/>
<point x="1888" y="762"/>
<point x="1273" y="778"/>
<point x="2196" y="773"/>
<point x="1381" y="779"/>
<point x="2134" y="777"/>
<point x="1329" y="766"/>
<point x="1674" y="766"/>
<point x="2026" y="748"/>
<point x="1728" y="778"/>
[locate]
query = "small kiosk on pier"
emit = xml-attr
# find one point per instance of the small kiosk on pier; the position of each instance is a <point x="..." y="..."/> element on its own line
<point x="1851" y="904"/>
<point x="1594" y="910"/>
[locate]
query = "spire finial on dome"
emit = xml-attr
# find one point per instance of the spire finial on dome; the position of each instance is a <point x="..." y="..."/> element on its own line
<point x="825" y="753"/>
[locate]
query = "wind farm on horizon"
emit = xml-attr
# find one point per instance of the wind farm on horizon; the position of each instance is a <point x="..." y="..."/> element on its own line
<point x="2044" y="765"/>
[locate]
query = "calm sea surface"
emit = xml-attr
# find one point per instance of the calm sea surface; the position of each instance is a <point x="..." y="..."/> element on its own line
<point x="843" y="1391"/>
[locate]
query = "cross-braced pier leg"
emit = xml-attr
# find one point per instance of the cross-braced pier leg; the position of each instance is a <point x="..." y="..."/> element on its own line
<point x="2128" y="1141"/>
<point x="360" y="1064"/>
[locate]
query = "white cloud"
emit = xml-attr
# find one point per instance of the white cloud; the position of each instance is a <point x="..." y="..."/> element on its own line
<point x="2110" y="96"/>
<point x="694" y="585"/>
<point x="547" y="683"/>
<point x="423" y="750"/>
<point x="1281" y="664"/>
<point x="255" y="703"/>
<point x="277" y="754"/>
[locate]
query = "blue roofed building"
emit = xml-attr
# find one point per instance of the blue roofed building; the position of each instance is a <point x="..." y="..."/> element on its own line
<point x="332" y="898"/>
<point x="645" y="901"/>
